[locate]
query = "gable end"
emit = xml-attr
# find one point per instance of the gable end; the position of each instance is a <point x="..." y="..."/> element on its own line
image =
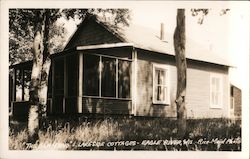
<point x="91" y="33"/>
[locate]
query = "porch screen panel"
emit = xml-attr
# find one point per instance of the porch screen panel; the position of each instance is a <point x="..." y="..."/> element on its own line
<point x="59" y="76"/>
<point x="50" y="83"/>
<point x="72" y="74"/>
<point x="59" y="86"/>
<point x="108" y="77"/>
<point x="124" y="71"/>
<point x="91" y="75"/>
<point x="18" y="85"/>
<point x="27" y="79"/>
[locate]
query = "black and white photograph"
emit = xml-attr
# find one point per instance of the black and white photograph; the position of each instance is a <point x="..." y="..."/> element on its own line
<point x="125" y="77"/>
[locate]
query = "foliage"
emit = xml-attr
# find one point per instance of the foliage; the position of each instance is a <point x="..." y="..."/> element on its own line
<point x="22" y="24"/>
<point x="21" y="33"/>
<point x="20" y="40"/>
<point x="113" y="16"/>
<point x="70" y="134"/>
<point x="202" y="12"/>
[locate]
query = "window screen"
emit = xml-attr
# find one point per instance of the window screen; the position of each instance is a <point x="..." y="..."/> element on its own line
<point x="91" y="75"/>
<point x="108" y="77"/>
<point x="124" y="71"/>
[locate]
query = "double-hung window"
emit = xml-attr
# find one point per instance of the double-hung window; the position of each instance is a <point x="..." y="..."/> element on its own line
<point x="216" y="93"/>
<point x="160" y="84"/>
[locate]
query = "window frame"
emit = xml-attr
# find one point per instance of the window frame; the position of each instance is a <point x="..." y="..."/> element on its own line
<point x="167" y="83"/>
<point x="220" y="98"/>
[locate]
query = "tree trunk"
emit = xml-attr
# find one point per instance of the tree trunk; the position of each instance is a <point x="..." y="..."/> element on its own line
<point x="179" y="45"/>
<point x="33" y="117"/>
<point x="43" y="92"/>
<point x="39" y="77"/>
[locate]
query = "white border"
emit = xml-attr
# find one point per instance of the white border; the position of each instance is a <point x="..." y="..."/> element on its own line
<point x="5" y="153"/>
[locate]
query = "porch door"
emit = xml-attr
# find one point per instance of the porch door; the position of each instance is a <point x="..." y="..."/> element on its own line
<point x="58" y="86"/>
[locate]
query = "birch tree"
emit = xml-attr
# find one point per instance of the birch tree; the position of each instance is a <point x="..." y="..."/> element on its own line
<point x="39" y="75"/>
<point x="39" y="22"/>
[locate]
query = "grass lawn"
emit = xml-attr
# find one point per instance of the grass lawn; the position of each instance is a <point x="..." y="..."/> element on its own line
<point x="129" y="133"/>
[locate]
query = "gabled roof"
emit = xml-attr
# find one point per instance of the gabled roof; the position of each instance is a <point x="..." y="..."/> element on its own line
<point x="144" y="38"/>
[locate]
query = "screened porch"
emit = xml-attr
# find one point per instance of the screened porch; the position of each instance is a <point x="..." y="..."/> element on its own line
<point x="93" y="80"/>
<point x="87" y="80"/>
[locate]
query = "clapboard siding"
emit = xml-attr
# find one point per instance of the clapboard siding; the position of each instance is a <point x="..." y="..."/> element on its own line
<point x="106" y="106"/>
<point x="145" y="106"/>
<point x="198" y="87"/>
<point x="198" y="91"/>
<point x="95" y="105"/>
<point x="91" y="33"/>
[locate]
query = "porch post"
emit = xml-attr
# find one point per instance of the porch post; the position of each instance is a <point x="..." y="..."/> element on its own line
<point x="80" y="83"/>
<point x="13" y="90"/>
<point x="116" y="78"/>
<point x="134" y="81"/>
<point x="14" y="86"/>
<point x="65" y="80"/>
<point x="52" y="84"/>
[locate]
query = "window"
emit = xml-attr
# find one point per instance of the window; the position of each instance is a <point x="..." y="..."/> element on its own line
<point x="160" y="84"/>
<point x="106" y="76"/>
<point x="215" y="91"/>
